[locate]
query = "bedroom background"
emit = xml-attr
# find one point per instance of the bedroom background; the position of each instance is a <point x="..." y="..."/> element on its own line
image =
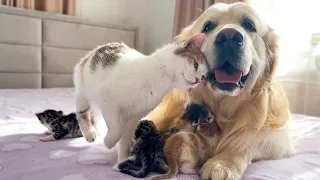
<point x="160" y="21"/>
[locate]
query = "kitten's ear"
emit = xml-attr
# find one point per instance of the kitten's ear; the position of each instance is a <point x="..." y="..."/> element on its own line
<point x="197" y="40"/>
<point x="60" y="112"/>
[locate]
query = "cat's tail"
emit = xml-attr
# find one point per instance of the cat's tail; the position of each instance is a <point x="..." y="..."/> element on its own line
<point x="130" y="167"/>
<point x="172" y="170"/>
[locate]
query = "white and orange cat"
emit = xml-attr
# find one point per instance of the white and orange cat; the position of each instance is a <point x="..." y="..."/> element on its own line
<point x="126" y="85"/>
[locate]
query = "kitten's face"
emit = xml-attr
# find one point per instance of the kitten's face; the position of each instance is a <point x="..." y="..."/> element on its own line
<point x="205" y="117"/>
<point x="195" y="62"/>
<point x="197" y="114"/>
<point x="48" y="115"/>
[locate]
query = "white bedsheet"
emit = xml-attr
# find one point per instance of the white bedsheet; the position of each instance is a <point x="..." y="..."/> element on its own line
<point x="23" y="157"/>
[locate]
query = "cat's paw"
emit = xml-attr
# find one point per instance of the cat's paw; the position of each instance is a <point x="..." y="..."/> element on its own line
<point x="47" y="138"/>
<point x="47" y="132"/>
<point x="111" y="139"/>
<point x="123" y="156"/>
<point x="90" y="135"/>
<point x="115" y="168"/>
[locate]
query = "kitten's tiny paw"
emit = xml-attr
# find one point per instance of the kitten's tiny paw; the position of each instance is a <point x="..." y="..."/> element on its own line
<point x="47" y="132"/>
<point x="47" y="138"/>
<point x="91" y="135"/>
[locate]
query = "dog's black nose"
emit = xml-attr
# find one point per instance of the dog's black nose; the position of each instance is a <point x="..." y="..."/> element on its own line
<point x="229" y="37"/>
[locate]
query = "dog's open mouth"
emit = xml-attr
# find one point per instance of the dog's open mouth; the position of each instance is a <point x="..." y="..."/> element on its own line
<point x="227" y="78"/>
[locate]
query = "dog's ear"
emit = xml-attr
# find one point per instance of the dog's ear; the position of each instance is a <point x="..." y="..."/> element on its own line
<point x="271" y="43"/>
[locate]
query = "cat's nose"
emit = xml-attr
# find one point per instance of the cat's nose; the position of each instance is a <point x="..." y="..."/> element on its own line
<point x="197" y="81"/>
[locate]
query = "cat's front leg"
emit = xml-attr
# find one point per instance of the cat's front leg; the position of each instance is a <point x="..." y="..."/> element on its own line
<point x="114" y="126"/>
<point x="84" y="118"/>
<point x="126" y="140"/>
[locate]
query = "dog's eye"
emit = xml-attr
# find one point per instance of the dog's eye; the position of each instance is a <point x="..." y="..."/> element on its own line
<point x="195" y="64"/>
<point x="248" y="25"/>
<point x="209" y="26"/>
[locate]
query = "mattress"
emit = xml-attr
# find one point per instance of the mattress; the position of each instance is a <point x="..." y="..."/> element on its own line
<point x="24" y="157"/>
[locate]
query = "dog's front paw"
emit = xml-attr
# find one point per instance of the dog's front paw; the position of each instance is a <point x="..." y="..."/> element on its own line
<point x="90" y="135"/>
<point x="218" y="170"/>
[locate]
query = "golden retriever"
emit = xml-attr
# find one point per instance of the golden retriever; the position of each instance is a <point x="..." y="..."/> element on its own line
<point x="250" y="106"/>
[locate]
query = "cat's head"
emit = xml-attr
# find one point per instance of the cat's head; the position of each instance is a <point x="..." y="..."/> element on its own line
<point x="195" y="64"/>
<point x="48" y="115"/>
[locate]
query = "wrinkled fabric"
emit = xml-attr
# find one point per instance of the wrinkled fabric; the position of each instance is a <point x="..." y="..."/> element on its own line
<point x="24" y="157"/>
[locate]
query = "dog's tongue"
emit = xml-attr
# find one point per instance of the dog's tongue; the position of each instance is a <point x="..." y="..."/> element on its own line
<point x="233" y="76"/>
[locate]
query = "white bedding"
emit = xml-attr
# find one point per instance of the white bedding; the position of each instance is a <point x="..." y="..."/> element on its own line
<point x="23" y="157"/>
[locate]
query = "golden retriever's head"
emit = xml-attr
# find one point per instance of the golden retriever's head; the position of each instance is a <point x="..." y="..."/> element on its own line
<point x="241" y="49"/>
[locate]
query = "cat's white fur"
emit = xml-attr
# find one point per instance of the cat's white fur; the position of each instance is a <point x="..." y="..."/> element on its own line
<point x="128" y="90"/>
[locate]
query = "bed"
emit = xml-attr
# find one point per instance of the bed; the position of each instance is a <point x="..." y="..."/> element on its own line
<point x="24" y="157"/>
<point x="37" y="53"/>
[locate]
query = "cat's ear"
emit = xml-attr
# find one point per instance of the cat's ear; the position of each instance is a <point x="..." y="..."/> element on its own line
<point x="60" y="112"/>
<point x="197" y="40"/>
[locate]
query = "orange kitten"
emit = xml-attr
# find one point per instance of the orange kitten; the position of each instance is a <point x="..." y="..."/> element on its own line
<point x="185" y="150"/>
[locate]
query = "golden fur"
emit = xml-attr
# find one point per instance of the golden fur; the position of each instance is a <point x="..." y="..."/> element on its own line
<point x="254" y="119"/>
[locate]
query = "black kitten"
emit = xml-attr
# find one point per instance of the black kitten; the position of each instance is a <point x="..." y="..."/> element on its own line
<point x="59" y="126"/>
<point x="197" y="114"/>
<point x="147" y="152"/>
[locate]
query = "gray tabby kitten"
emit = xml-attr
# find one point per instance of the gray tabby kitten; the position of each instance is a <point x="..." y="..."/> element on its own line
<point x="59" y="126"/>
